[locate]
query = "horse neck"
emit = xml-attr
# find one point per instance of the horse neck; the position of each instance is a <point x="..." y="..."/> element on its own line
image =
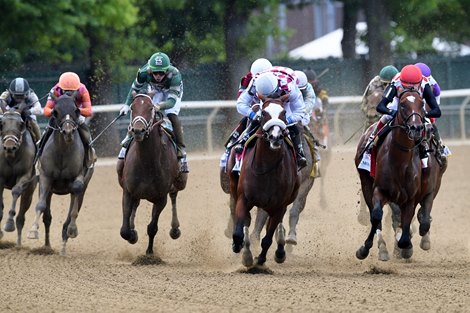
<point x="264" y="157"/>
<point x="151" y="147"/>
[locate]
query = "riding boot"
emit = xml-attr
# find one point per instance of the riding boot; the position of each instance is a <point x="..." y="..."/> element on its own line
<point x="85" y="136"/>
<point x="235" y="135"/>
<point x="246" y="135"/>
<point x="437" y="138"/>
<point x="299" y="150"/>
<point x="423" y="153"/>
<point x="34" y="130"/>
<point x="181" y="148"/>
<point x="316" y="152"/>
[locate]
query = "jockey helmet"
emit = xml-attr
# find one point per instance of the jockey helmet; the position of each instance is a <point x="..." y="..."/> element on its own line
<point x="266" y="84"/>
<point x="69" y="81"/>
<point x="301" y="80"/>
<point x="424" y="69"/>
<point x="19" y="88"/>
<point x="311" y="75"/>
<point x="159" y="62"/>
<point x="410" y="76"/>
<point x="387" y="73"/>
<point x="260" y="65"/>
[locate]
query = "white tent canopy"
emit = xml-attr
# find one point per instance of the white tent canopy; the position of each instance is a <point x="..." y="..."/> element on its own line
<point x="329" y="45"/>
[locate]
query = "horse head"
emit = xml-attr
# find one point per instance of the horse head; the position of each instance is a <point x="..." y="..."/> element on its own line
<point x="66" y="115"/>
<point x="273" y="120"/>
<point x="12" y="128"/>
<point x="143" y="115"/>
<point x="410" y="114"/>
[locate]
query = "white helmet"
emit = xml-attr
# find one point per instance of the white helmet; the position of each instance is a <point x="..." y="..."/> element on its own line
<point x="301" y="80"/>
<point x="266" y="84"/>
<point x="260" y="65"/>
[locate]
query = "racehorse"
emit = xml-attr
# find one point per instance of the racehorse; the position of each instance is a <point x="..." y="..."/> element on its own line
<point x="268" y="179"/>
<point x="149" y="171"/>
<point x="399" y="176"/>
<point x="62" y="170"/>
<point x="307" y="180"/>
<point x="17" y="151"/>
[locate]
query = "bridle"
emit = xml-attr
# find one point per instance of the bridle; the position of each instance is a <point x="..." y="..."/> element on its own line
<point x="403" y="122"/>
<point x="14" y="135"/>
<point x="148" y="124"/>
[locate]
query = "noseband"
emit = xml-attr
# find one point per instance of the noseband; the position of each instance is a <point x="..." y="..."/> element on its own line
<point x="67" y="125"/>
<point x="403" y="122"/>
<point x="17" y="136"/>
<point x="148" y="124"/>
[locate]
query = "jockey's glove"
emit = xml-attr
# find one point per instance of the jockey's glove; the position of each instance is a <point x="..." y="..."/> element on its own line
<point x="124" y="110"/>
<point x="81" y="120"/>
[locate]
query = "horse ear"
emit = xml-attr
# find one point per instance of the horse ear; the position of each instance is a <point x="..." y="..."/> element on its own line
<point x="261" y="97"/>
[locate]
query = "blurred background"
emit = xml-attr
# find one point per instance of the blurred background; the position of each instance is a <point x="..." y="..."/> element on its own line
<point x="214" y="42"/>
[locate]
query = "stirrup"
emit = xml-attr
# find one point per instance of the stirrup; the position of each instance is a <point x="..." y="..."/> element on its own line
<point x="301" y="162"/>
<point x="180" y="152"/>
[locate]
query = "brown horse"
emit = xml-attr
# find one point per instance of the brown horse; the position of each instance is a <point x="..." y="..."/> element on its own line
<point x="149" y="171"/>
<point x="62" y="170"/>
<point x="17" y="151"/>
<point x="267" y="179"/>
<point x="399" y="177"/>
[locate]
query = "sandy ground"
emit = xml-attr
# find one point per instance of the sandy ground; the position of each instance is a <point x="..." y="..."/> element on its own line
<point x="200" y="273"/>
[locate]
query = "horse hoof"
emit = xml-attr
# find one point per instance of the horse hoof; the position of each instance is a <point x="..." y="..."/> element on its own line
<point x="247" y="258"/>
<point x="292" y="240"/>
<point x="406" y="253"/>
<point x="175" y="233"/>
<point x="33" y="234"/>
<point x="9" y="226"/>
<point x="425" y="243"/>
<point x="383" y="256"/>
<point x="260" y="261"/>
<point x="133" y="237"/>
<point x="72" y="231"/>
<point x="236" y="248"/>
<point x="280" y="256"/>
<point x="362" y="253"/>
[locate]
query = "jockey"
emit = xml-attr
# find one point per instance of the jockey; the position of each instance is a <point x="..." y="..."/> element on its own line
<point x="311" y="104"/>
<point x="273" y="83"/>
<point x="69" y="82"/>
<point x="377" y="84"/>
<point x="258" y="66"/>
<point x="20" y="92"/>
<point x="436" y="91"/>
<point x="159" y="75"/>
<point x="410" y="78"/>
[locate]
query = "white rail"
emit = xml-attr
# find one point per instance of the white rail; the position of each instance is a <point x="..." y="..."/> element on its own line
<point x="343" y="102"/>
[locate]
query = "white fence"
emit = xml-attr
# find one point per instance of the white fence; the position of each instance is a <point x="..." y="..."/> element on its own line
<point x="339" y="106"/>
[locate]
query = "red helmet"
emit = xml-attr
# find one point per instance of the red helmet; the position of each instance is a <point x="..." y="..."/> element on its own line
<point x="410" y="75"/>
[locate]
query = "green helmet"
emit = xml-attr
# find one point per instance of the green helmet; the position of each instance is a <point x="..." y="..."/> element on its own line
<point x="387" y="73"/>
<point x="159" y="62"/>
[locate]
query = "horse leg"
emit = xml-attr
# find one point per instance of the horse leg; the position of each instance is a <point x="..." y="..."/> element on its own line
<point x="247" y="256"/>
<point x="425" y="219"/>
<point x="376" y="220"/>
<point x="152" y="227"/>
<point x="47" y="220"/>
<point x="294" y="214"/>
<point x="129" y="207"/>
<point x="383" y="252"/>
<point x="280" y="255"/>
<point x="45" y="192"/>
<point x="268" y="240"/>
<point x="25" y="203"/>
<point x="175" y="233"/>
<point x="16" y="192"/>
<point x="405" y="240"/>
<point x="241" y="211"/>
<point x="231" y="221"/>
<point x="260" y="221"/>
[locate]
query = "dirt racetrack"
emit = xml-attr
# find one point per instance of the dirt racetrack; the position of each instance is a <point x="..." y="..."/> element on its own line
<point x="200" y="273"/>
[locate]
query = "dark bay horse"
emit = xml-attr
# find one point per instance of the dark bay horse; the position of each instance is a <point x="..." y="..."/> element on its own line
<point x="268" y="179"/>
<point x="399" y="176"/>
<point x="149" y="171"/>
<point x="62" y="170"/>
<point x="17" y="151"/>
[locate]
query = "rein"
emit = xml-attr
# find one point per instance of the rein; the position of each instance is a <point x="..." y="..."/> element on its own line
<point x="16" y="138"/>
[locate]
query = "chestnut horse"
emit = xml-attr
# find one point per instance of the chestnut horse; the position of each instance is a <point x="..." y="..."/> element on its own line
<point x="399" y="176"/>
<point x="149" y="171"/>
<point x="268" y="179"/>
<point x="62" y="170"/>
<point x="17" y="151"/>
